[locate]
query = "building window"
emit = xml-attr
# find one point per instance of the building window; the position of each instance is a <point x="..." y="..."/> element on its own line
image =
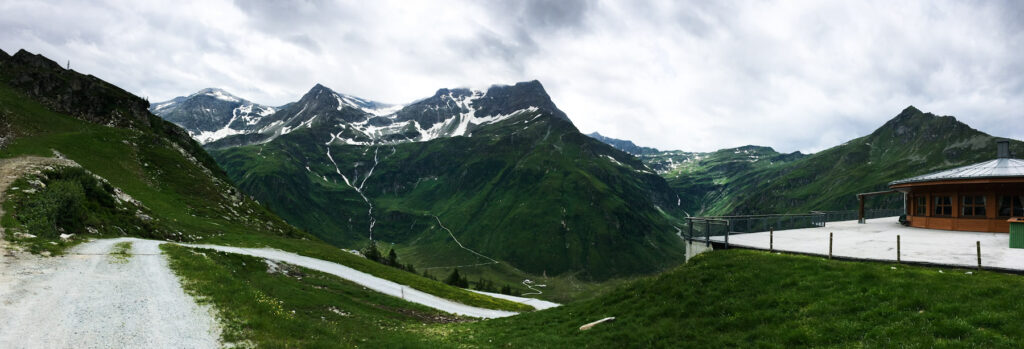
<point x="973" y="206"/>
<point x="921" y="209"/>
<point x="1010" y="206"/>
<point x="943" y="206"/>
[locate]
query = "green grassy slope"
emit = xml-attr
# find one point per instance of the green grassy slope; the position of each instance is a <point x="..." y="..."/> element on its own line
<point x="738" y="298"/>
<point x="912" y="143"/>
<point x="531" y="191"/>
<point x="733" y="298"/>
<point x="187" y="200"/>
<point x="292" y="307"/>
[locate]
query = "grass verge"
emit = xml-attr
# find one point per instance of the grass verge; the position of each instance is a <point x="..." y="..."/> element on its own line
<point x="120" y="252"/>
<point x="740" y="298"/>
<point x="278" y="305"/>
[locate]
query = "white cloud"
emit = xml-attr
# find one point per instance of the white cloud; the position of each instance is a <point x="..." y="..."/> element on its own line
<point x="695" y="76"/>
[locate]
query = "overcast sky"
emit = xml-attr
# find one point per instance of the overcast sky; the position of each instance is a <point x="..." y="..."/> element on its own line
<point x="673" y="75"/>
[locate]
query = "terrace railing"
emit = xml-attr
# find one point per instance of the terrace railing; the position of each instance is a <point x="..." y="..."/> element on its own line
<point x="704" y="228"/>
<point x="850" y="215"/>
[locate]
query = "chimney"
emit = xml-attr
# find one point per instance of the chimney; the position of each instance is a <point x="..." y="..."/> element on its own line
<point x="1003" y="149"/>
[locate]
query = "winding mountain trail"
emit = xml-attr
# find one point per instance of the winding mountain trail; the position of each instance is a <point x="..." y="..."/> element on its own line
<point x="92" y="299"/>
<point x="489" y="262"/>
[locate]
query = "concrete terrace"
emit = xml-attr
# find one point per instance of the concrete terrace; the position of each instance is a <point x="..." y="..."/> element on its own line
<point x="876" y="240"/>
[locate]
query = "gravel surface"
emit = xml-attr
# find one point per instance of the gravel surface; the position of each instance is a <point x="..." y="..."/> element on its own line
<point x="90" y="299"/>
<point x="533" y="302"/>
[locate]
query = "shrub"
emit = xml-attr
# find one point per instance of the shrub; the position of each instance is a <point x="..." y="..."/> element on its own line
<point x="455" y="280"/>
<point x="70" y="200"/>
<point x="60" y="206"/>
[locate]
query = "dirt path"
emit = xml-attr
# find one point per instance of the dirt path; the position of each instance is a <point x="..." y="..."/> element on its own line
<point x="91" y="299"/>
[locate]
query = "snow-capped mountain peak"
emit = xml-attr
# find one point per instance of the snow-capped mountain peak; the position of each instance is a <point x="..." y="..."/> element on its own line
<point x="211" y="114"/>
<point x="354" y="120"/>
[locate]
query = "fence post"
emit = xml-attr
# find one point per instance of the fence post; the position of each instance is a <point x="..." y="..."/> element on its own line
<point x="897" y="249"/>
<point x="771" y="239"/>
<point x="829" y="245"/>
<point x="978" y="243"/>
<point x="728" y="229"/>
<point x="707" y="233"/>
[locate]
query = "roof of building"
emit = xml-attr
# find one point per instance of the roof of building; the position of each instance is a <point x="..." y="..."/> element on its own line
<point x="998" y="168"/>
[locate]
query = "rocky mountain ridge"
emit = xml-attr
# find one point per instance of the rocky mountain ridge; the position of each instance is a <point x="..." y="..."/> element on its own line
<point x="219" y="120"/>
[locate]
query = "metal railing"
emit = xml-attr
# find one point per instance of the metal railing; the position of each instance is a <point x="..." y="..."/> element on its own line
<point x="703" y="228"/>
<point x="850" y="215"/>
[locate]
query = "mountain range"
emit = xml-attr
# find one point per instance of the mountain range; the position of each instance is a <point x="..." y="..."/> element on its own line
<point x="462" y="177"/>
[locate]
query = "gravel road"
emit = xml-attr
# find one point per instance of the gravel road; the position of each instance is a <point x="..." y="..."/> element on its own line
<point x="533" y="302"/>
<point x="90" y="299"/>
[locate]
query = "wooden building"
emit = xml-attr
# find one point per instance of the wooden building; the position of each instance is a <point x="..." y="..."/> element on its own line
<point x="979" y="197"/>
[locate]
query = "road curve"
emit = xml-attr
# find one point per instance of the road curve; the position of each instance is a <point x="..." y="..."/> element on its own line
<point x="369" y="281"/>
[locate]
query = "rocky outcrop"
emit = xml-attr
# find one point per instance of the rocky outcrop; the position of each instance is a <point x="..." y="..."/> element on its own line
<point x="88" y="98"/>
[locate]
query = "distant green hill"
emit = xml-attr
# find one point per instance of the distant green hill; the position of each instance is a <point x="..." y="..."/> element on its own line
<point x="757" y="180"/>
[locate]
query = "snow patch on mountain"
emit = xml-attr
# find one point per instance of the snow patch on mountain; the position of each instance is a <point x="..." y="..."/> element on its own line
<point x="218" y="94"/>
<point x="370" y="107"/>
<point x="458" y="125"/>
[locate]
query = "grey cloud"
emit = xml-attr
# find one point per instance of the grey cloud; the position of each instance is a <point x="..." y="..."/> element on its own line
<point x="664" y="73"/>
<point x="306" y="42"/>
<point x="551" y="14"/>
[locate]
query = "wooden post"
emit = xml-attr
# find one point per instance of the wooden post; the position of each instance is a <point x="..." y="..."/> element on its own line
<point x="829" y="245"/>
<point x="771" y="239"/>
<point x="897" y="248"/>
<point x="860" y="210"/>
<point x="728" y="229"/>
<point x="978" y="243"/>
